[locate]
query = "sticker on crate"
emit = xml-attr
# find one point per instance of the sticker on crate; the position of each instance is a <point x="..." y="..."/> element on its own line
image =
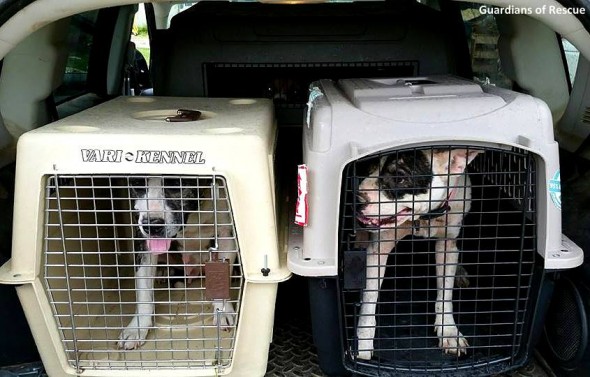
<point x="555" y="189"/>
<point x="302" y="207"/>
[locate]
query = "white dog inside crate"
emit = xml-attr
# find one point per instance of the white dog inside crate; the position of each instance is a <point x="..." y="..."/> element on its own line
<point x="186" y="216"/>
<point x="424" y="192"/>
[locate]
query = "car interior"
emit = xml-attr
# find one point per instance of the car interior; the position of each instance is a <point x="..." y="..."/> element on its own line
<point x="59" y="59"/>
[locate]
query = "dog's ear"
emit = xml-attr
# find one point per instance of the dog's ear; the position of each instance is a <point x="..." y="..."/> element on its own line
<point x="460" y="158"/>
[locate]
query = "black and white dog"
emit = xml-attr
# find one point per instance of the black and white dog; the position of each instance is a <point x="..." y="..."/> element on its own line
<point x="181" y="217"/>
<point x="424" y="193"/>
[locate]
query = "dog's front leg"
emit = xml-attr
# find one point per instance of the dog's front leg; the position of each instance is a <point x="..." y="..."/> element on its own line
<point x="450" y="339"/>
<point x="133" y="336"/>
<point x="377" y="254"/>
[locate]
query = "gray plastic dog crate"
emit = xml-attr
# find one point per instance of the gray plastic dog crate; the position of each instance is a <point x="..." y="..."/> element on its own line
<point x="474" y="171"/>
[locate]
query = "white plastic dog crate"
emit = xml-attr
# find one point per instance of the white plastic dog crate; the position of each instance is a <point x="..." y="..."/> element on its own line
<point x="93" y="191"/>
<point x="470" y="166"/>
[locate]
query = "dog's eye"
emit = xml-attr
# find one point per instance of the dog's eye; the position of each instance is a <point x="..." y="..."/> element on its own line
<point x="395" y="181"/>
<point x="401" y="180"/>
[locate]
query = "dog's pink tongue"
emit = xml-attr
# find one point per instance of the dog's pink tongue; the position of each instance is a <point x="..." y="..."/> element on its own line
<point x="158" y="245"/>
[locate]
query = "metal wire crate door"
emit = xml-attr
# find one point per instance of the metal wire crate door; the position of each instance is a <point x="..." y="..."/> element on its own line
<point x="92" y="248"/>
<point x="497" y="248"/>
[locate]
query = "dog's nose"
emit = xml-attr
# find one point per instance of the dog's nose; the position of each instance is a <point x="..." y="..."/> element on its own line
<point x="154" y="226"/>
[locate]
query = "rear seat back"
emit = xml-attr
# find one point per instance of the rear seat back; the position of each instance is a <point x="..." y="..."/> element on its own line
<point x="264" y="50"/>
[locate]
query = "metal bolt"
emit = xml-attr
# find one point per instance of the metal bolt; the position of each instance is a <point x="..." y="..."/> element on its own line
<point x="265" y="270"/>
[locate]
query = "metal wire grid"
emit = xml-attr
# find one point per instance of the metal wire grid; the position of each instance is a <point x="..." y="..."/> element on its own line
<point x="497" y="246"/>
<point x="92" y="247"/>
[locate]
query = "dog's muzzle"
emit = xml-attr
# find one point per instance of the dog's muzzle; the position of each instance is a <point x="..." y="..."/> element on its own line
<point x="156" y="233"/>
<point x="379" y="221"/>
<point x="154" y="227"/>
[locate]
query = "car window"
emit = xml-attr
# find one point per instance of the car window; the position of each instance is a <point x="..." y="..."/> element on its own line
<point x="139" y="34"/>
<point x="482" y="38"/>
<point x="177" y="8"/>
<point x="80" y="36"/>
<point x="572" y="56"/>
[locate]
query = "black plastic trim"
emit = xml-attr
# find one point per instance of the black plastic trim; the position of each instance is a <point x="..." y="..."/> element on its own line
<point x="573" y="362"/>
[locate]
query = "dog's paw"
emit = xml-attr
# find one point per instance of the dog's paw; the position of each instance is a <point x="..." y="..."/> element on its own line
<point x="132" y="338"/>
<point x="365" y="355"/>
<point x="451" y="340"/>
<point x="224" y="315"/>
<point x="365" y="349"/>
<point x="461" y="277"/>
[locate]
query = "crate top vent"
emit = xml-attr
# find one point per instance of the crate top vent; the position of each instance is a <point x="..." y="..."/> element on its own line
<point x="420" y="99"/>
<point x="148" y="115"/>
